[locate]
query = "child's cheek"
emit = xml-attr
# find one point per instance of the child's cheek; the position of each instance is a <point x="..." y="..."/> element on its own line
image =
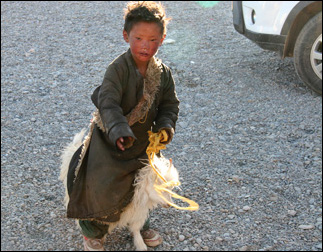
<point x="155" y="47"/>
<point x="135" y="46"/>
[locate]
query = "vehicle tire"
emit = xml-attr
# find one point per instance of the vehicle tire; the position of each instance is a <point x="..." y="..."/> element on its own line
<point x="308" y="54"/>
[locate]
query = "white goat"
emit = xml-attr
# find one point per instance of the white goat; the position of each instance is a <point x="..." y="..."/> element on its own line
<point x="145" y="198"/>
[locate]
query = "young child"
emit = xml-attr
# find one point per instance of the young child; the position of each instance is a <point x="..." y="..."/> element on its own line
<point x="137" y="95"/>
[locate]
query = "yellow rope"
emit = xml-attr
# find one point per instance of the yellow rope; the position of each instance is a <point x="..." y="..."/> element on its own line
<point x="156" y="144"/>
<point x="143" y="120"/>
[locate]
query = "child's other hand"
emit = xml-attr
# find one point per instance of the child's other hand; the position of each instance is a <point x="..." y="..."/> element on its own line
<point x="124" y="142"/>
<point x="119" y="143"/>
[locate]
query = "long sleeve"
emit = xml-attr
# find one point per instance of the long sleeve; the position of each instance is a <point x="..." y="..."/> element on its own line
<point x="109" y="104"/>
<point x="168" y="108"/>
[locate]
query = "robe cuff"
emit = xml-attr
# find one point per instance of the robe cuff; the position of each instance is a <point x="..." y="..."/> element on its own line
<point x="120" y="130"/>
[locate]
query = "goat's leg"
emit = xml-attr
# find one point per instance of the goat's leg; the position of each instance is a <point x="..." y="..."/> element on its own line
<point x="112" y="226"/>
<point x="138" y="240"/>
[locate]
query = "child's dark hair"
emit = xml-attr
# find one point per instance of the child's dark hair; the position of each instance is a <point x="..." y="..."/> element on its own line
<point x="143" y="11"/>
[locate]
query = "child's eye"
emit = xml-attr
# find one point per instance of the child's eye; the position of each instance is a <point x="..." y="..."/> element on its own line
<point x="138" y="38"/>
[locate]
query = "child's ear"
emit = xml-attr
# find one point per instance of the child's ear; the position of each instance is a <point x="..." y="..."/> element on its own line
<point x="162" y="40"/>
<point x="125" y="36"/>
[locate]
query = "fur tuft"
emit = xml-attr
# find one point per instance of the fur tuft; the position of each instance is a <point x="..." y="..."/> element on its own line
<point x="66" y="157"/>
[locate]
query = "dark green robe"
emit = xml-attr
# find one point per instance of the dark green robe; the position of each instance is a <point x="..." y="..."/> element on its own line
<point x="100" y="177"/>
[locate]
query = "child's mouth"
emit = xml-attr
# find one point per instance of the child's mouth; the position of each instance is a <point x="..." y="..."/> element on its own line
<point x="144" y="54"/>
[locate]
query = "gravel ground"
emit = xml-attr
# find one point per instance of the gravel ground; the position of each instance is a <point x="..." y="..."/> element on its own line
<point x="248" y="144"/>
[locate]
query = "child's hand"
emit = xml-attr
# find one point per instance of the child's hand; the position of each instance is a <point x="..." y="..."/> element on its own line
<point x="124" y="142"/>
<point x="164" y="136"/>
<point x="119" y="143"/>
<point x="167" y="135"/>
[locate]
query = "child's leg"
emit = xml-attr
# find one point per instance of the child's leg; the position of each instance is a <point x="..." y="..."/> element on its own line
<point x="146" y="225"/>
<point x="93" y="229"/>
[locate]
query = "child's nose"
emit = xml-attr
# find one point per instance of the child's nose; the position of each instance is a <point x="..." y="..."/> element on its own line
<point x="144" y="44"/>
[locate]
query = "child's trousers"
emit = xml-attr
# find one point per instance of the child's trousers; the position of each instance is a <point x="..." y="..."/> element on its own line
<point x="96" y="230"/>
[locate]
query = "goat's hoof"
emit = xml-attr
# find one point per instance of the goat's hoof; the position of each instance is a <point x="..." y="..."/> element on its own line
<point x="142" y="249"/>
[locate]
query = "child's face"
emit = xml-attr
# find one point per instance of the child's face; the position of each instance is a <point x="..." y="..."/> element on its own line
<point x="144" y="39"/>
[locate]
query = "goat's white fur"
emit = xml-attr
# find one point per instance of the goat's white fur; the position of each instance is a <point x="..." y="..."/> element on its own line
<point x="145" y="198"/>
<point x="66" y="157"/>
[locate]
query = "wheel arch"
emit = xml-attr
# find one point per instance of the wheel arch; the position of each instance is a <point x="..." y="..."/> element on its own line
<point x="295" y="22"/>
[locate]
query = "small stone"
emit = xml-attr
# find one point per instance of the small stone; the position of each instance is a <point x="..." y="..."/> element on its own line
<point x="246" y="208"/>
<point x="306" y="227"/>
<point x="169" y="41"/>
<point x="244" y="248"/>
<point x="236" y="178"/>
<point x="291" y="212"/>
<point x="183" y="124"/>
<point x="181" y="238"/>
<point x="219" y="239"/>
<point x="273" y="197"/>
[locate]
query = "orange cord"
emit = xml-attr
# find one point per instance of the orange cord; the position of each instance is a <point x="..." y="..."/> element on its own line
<point x="154" y="147"/>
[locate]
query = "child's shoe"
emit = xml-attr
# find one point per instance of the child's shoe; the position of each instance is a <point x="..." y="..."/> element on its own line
<point x="93" y="244"/>
<point x="151" y="238"/>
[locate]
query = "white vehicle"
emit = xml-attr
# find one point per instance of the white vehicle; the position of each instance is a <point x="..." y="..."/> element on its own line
<point x="294" y="28"/>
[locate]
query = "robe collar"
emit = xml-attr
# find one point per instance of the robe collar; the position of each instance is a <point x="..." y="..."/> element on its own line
<point x="151" y="88"/>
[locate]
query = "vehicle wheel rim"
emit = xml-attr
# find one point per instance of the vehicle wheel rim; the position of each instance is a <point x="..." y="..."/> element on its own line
<point x="316" y="56"/>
